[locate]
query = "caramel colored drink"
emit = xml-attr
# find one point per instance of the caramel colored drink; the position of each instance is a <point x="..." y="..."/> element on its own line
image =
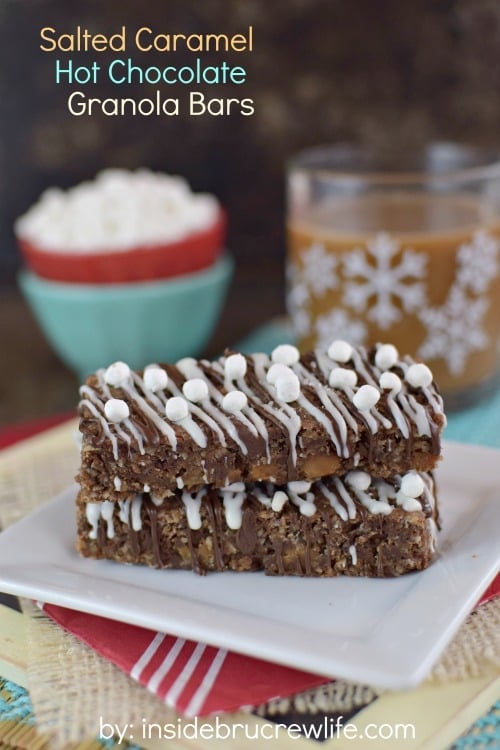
<point x="403" y="264"/>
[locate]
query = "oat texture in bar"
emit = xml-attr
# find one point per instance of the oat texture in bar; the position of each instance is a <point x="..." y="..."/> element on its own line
<point x="258" y="418"/>
<point x="356" y="526"/>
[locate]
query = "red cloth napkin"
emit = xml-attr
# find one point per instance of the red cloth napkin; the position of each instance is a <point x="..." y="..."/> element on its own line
<point x="17" y="432"/>
<point x="191" y="677"/>
<point x="491" y="592"/>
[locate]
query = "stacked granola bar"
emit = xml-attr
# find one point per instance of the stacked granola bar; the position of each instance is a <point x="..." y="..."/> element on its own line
<point x="315" y="465"/>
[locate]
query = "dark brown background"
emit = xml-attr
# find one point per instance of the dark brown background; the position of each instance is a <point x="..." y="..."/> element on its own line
<point x="322" y="70"/>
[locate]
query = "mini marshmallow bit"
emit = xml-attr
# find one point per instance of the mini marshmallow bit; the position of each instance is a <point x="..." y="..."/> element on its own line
<point x="366" y="397"/>
<point x="419" y="376"/>
<point x="235" y="367"/>
<point x="359" y="480"/>
<point x="285" y="354"/>
<point x="386" y="356"/>
<point x="187" y="365"/>
<point x="116" y="410"/>
<point x="407" y="503"/>
<point x="155" y="379"/>
<point x="117" y="374"/>
<point x="195" y="390"/>
<point x="279" y="500"/>
<point x="410" y="504"/>
<point x="307" y="509"/>
<point x="288" y="387"/>
<point x="412" y="484"/>
<point x="234" y="401"/>
<point x="389" y="381"/>
<point x="176" y="409"/>
<point x="118" y="210"/>
<point x="300" y="486"/>
<point x="275" y="371"/>
<point x="341" y="377"/>
<point x="185" y="362"/>
<point x="340" y="351"/>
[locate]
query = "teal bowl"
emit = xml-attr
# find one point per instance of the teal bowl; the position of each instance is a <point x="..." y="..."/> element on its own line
<point x="90" y="326"/>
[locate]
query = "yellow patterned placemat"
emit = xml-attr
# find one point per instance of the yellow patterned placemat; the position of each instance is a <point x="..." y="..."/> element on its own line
<point x="435" y="713"/>
<point x="73" y="689"/>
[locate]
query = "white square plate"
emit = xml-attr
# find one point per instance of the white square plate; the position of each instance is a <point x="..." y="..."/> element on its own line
<point x="385" y="632"/>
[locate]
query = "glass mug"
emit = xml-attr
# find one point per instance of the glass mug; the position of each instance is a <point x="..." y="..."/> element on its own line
<point x="384" y="248"/>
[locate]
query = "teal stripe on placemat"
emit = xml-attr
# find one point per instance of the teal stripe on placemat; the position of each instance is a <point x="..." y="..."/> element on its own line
<point x="479" y="424"/>
<point x="15" y="705"/>
<point x="484" y="734"/>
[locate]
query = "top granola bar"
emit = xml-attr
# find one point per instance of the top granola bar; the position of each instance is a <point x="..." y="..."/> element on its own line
<point x="274" y="418"/>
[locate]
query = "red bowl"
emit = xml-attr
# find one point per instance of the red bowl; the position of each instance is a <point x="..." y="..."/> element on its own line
<point x="140" y="263"/>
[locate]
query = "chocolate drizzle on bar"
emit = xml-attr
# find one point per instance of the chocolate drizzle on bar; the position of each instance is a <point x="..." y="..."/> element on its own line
<point x="312" y="465"/>
<point x="225" y="519"/>
<point x="322" y="424"/>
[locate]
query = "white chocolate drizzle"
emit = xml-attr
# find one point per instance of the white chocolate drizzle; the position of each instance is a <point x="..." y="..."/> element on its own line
<point x="93" y="514"/>
<point x="342" y="491"/>
<point x="194" y="430"/>
<point x="340" y="442"/>
<point x="147" y="402"/>
<point x="376" y="495"/>
<point x="334" y="502"/>
<point x="135" y="513"/>
<point x="192" y="504"/>
<point x="160" y="424"/>
<point x="201" y="414"/>
<point x="263" y="495"/>
<point x="366" y="370"/>
<point x="376" y="506"/>
<point x="123" y="514"/>
<point x="107" y="511"/>
<point x="190" y="369"/>
<point x="369" y="417"/>
<point x="354" y="555"/>
<point x="253" y="415"/>
<point x="326" y="367"/>
<point x="87" y="403"/>
<point x="398" y="416"/>
<point x="431" y="525"/>
<point x="137" y="434"/>
<point x="233" y="497"/>
<point x="411" y="408"/>
<point x="105" y="424"/>
<point x="299" y="493"/>
<point x="128" y="423"/>
<point x="286" y="414"/>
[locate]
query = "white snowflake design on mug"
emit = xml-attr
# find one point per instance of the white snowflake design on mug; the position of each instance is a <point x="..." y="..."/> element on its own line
<point x="381" y="281"/>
